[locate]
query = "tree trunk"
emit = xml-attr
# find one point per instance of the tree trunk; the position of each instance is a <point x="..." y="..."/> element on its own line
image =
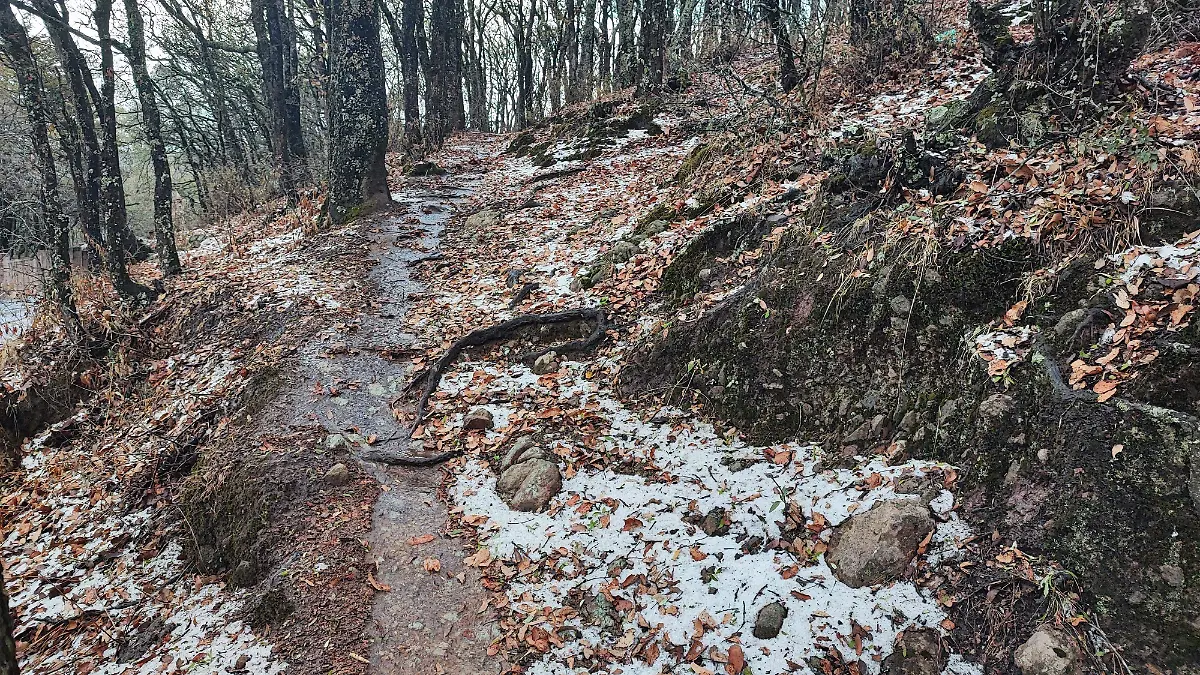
<point x="444" y="108"/>
<point x="112" y="190"/>
<point x="627" y="69"/>
<point x="358" y="127"/>
<point x="56" y="226"/>
<point x="788" y="78"/>
<point x="413" y="15"/>
<point x="164" y="224"/>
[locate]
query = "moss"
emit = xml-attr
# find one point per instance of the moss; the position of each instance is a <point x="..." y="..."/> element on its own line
<point x="694" y="160"/>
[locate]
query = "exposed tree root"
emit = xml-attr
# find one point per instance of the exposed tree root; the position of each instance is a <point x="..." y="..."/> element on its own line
<point x="557" y="173"/>
<point x="432" y="376"/>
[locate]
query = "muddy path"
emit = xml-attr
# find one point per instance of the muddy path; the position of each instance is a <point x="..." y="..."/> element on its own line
<point x="345" y="381"/>
<point x="429" y="621"/>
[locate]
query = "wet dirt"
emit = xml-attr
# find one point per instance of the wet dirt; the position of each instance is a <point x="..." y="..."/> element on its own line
<point x="427" y="622"/>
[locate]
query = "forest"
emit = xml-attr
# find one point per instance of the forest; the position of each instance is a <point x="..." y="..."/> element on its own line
<point x="832" y="337"/>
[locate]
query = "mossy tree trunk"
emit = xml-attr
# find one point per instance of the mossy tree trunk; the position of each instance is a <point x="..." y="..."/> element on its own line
<point x="358" y="125"/>
<point x="164" y="224"/>
<point x="15" y="42"/>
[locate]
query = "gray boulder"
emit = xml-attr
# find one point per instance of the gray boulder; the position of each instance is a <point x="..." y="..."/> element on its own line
<point x="530" y="485"/>
<point x="1048" y="652"/>
<point x="337" y="475"/>
<point x="877" y="546"/>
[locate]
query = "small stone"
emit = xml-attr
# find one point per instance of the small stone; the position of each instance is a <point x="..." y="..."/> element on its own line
<point x="704" y="275"/>
<point x="516" y="452"/>
<point x="716" y="523"/>
<point x="901" y="305"/>
<point x="240" y="664"/>
<point x="994" y="409"/>
<point x="546" y="363"/>
<point x="337" y="475"/>
<point x="918" y="652"/>
<point x="479" y="418"/>
<point x="242" y="576"/>
<point x="769" y="621"/>
<point x="334" y="441"/>
<point x="1048" y="652"/>
<point x="530" y="485"/>
<point x="877" y="546"/>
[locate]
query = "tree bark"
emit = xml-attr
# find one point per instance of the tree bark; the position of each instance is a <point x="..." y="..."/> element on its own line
<point x="112" y="189"/>
<point x="358" y="111"/>
<point x="56" y="225"/>
<point x="164" y="224"/>
<point x="788" y="77"/>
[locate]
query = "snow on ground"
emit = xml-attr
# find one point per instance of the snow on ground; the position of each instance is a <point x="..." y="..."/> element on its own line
<point x="645" y="529"/>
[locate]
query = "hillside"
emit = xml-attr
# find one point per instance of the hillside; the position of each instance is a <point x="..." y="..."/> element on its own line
<point x="850" y="379"/>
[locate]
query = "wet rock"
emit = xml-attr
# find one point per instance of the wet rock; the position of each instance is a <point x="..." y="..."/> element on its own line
<point x="479" y="418"/>
<point x="530" y="485"/>
<point x="918" y="652"/>
<point x="877" y="546"/>
<point x="337" y="475"/>
<point x="546" y="363"/>
<point x="1048" y="652"/>
<point x="769" y="621"/>
<point x="716" y="523"/>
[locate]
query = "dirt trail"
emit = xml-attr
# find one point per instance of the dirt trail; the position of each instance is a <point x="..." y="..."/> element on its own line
<point x="427" y="622"/>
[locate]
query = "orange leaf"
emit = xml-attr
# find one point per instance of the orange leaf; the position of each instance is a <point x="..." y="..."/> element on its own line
<point x="422" y="539"/>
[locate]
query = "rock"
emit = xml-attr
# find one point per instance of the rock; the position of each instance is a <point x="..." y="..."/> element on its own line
<point x="1048" y="652"/>
<point x="994" y="409"/>
<point x="482" y="221"/>
<point x="918" y="652"/>
<point x="901" y="305"/>
<point x="546" y="363"/>
<point x="769" y="621"/>
<point x="716" y="523"/>
<point x="704" y="275"/>
<point x="599" y="611"/>
<point x="337" y="475"/>
<point x="334" y="441"/>
<point x="876" y="546"/>
<point x="622" y="251"/>
<point x="426" y="169"/>
<point x="243" y="576"/>
<point x="530" y="485"/>
<point x="523" y="450"/>
<point x="479" y="418"/>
